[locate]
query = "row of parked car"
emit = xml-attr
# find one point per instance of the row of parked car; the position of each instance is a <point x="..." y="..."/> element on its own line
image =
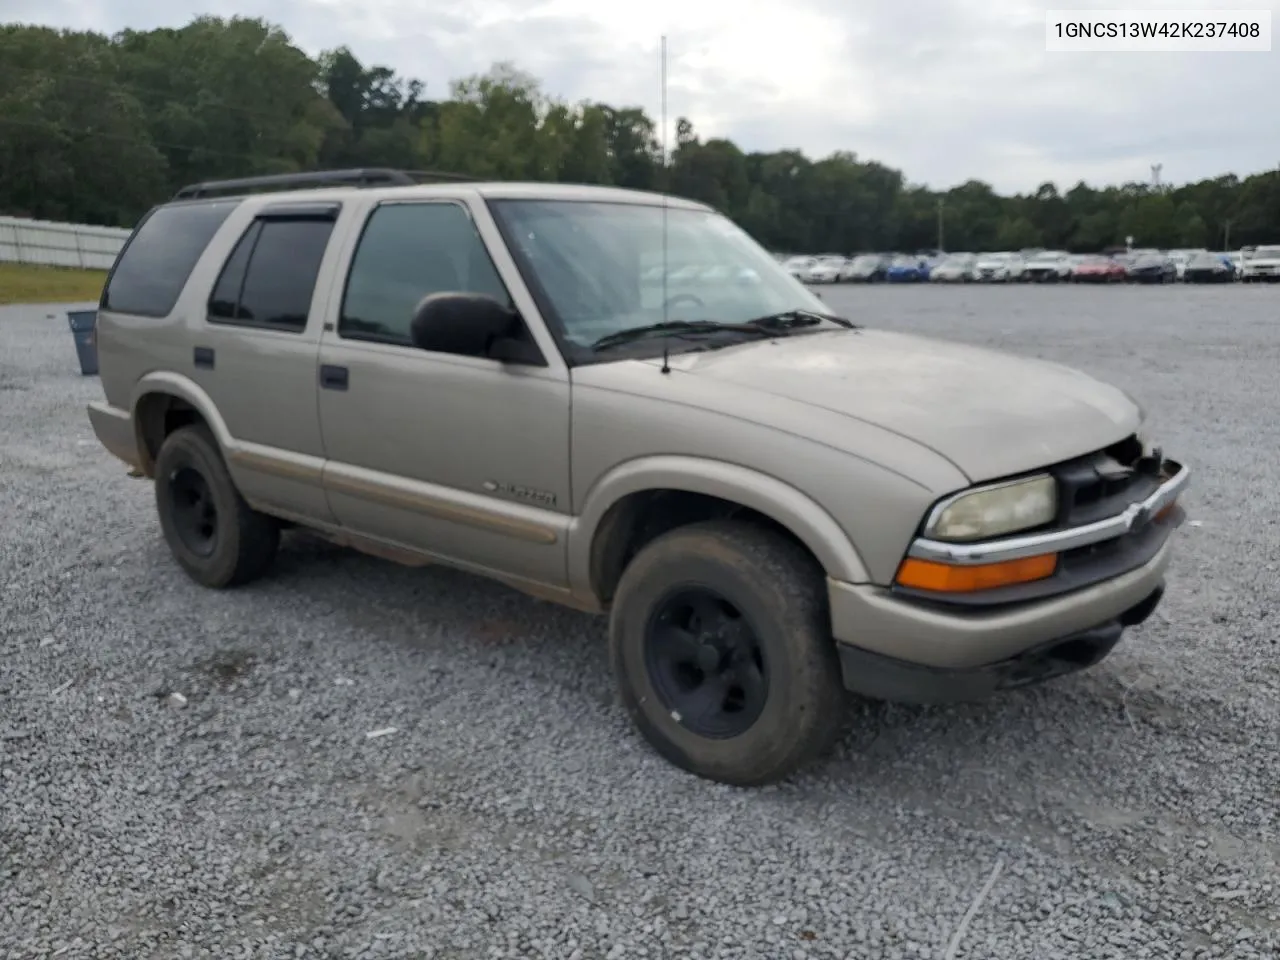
<point x="1251" y="264"/>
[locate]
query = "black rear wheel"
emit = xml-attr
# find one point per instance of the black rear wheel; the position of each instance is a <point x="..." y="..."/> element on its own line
<point x="213" y="534"/>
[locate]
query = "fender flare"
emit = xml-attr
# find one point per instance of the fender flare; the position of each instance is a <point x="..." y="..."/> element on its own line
<point x="184" y="388"/>
<point x="778" y="500"/>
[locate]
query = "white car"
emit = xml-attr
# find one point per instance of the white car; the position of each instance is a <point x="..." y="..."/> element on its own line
<point x="825" y="270"/>
<point x="1181" y="258"/>
<point x="1048" y="266"/>
<point x="798" y="267"/>
<point x="997" y="267"/>
<point x="1260" y="264"/>
<point x="957" y="268"/>
<point x="864" y="268"/>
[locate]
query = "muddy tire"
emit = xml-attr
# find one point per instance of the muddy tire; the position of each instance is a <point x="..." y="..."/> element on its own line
<point x="720" y="642"/>
<point x="213" y="534"/>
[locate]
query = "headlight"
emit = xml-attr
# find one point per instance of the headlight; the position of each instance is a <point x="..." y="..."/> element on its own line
<point x="995" y="511"/>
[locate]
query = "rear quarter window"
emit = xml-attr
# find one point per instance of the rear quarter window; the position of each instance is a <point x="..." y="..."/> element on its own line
<point x="157" y="260"/>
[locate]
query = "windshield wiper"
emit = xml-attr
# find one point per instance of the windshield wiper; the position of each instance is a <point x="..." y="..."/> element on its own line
<point x="790" y="319"/>
<point x="677" y="328"/>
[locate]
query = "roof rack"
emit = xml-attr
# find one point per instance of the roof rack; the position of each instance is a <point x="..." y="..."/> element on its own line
<point x="357" y="177"/>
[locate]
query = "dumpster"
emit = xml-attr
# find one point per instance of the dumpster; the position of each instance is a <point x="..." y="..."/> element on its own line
<point x="83" y="328"/>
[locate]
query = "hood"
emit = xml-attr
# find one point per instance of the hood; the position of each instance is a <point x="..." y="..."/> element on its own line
<point x="991" y="414"/>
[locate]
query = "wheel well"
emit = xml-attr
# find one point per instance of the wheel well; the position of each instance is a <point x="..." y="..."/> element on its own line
<point x="157" y="415"/>
<point x="639" y="518"/>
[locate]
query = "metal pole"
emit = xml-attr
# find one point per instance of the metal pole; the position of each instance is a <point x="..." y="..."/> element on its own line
<point x="941" y="247"/>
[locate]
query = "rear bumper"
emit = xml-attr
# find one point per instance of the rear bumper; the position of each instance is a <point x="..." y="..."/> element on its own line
<point x="888" y="678"/>
<point x="114" y="429"/>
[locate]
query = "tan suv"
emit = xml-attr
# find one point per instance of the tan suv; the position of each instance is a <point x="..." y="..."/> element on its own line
<point x="620" y="402"/>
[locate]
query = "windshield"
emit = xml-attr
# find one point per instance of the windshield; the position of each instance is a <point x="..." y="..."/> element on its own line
<point x="1268" y="251"/>
<point x="601" y="266"/>
<point x="866" y="260"/>
<point x="905" y="261"/>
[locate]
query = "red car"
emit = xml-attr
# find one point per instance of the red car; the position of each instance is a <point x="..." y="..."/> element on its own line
<point x="1098" y="270"/>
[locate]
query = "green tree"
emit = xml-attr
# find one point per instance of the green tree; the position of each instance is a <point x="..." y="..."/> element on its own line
<point x="97" y="129"/>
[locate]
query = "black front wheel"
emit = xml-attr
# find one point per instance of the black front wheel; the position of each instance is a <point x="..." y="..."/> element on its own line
<point x="213" y="534"/>
<point x="721" y="646"/>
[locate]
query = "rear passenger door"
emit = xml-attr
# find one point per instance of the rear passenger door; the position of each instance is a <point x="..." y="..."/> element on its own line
<point x="464" y="457"/>
<point x="255" y="355"/>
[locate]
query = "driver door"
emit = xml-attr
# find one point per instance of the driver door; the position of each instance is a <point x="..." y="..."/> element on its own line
<point x="463" y="457"/>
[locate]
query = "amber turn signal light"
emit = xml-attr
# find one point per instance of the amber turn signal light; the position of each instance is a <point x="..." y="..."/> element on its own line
<point x="954" y="578"/>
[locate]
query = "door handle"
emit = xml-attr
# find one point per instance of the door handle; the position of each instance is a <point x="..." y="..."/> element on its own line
<point x="203" y="357"/>
<point x="333" y="378"/>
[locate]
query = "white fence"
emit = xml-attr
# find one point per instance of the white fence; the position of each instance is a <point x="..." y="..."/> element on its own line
<point x="53" y="244"/>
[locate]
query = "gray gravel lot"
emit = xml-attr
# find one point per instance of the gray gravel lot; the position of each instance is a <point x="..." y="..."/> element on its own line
<point x="1130" y="812"/>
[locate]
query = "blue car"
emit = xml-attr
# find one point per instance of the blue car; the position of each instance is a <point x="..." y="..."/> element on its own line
<point x="907" y="270"/>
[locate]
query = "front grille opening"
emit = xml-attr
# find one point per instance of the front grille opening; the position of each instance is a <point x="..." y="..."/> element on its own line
<point x="1091" y="554"/>
<point x="1104" y="483"/>
<point x="1102" y="490"/>
<point x="1128" y="451"/>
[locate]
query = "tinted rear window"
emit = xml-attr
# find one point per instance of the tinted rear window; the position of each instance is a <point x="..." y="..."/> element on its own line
<point x="155" y="264"/>
<point x="270" y="276"/>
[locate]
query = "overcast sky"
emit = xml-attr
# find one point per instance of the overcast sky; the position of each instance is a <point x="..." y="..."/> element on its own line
<point x="945" y="90"/>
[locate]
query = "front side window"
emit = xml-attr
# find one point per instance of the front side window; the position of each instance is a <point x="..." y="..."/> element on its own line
<point x="407" y="252"/>
<point x="270" y="276"/>
<point x="605" y="268"/>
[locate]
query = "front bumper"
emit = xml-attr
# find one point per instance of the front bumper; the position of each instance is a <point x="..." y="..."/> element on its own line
<point x="888" y="678"/>
<point x="892" y="640"/>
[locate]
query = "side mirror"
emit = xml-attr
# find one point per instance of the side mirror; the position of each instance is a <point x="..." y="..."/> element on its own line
<point x="473" y="325"/>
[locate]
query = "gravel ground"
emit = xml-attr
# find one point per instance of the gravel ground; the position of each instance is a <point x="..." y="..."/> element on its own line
<point x="1129" y="812"/>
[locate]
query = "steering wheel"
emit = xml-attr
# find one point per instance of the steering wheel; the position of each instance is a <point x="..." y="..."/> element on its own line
<point x="679" y="297"/>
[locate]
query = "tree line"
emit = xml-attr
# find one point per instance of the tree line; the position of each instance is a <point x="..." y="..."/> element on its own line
<point x="96" y="129"/>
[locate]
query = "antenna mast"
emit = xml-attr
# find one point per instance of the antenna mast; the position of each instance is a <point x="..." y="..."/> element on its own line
<point x="666" y="185"/>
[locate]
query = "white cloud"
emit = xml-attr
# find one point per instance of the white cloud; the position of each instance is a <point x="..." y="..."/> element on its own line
<point x="946" y="90"/>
